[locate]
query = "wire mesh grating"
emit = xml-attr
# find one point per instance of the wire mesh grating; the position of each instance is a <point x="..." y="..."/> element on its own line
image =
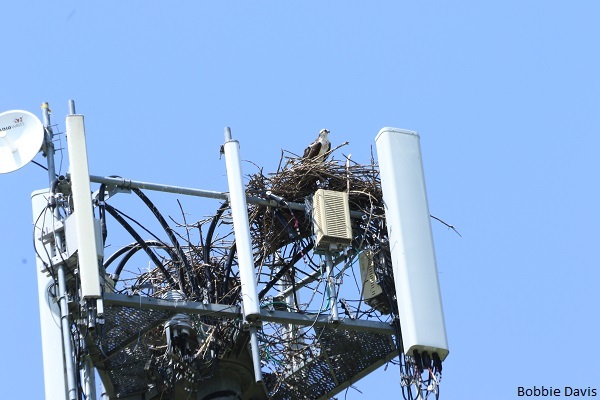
<point x="345" y="357"/>
<point x="124" y="351"/>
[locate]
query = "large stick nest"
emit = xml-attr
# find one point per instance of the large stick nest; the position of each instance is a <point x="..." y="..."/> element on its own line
<point x="297" y="181"/>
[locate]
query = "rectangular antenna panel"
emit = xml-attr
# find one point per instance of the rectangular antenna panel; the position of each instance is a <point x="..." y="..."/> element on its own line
<point x="411" y="242"/>
<point x="71" y="236"/>
<point x="371" y="288"/>
<point x="331" y="219"/>
<point x="87" y="253"/>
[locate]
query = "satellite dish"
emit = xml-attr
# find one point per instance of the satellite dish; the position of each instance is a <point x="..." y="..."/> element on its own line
<point x="21" y="137"/>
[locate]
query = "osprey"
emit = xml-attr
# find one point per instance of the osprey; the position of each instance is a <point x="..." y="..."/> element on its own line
<point x="318" y="148"/>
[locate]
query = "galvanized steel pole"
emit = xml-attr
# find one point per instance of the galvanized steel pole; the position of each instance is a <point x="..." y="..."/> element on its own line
<point x="60" y="270"/>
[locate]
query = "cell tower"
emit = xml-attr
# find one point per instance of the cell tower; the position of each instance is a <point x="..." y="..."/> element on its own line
<point x="302" y="281"/>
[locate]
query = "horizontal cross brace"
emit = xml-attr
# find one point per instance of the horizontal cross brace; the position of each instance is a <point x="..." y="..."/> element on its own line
<point x="233" y="312"/>
<point x="129" y="184"/>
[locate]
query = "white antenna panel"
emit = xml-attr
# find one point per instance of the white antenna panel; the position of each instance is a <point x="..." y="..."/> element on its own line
<point x="83" y="224"/>
<point x="21" y="137"/>
<point x="411" y="243"/>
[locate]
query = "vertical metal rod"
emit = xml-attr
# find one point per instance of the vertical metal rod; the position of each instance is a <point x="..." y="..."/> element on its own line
<point x="87" y="373"/>
<point x="103" y="394"/>
<point x="60" y="270"/>
<point x="288" y="329"/>
<point x="49" y="144"/>
<point x="89" y="378"/>
<point x="331" y="286"/>
<point x="255" y="354"/>
<point x="66" y="332"/>
<point x="292" y="333"/>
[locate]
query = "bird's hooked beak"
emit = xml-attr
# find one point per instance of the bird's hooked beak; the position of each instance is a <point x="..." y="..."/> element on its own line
<point x="323" y="132"/>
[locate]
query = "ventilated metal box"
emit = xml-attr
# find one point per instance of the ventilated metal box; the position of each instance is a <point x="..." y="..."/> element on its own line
<point x="331" y="219"/>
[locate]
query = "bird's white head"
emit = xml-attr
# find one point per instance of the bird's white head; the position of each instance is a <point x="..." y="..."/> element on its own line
<point x="323" y="133"/>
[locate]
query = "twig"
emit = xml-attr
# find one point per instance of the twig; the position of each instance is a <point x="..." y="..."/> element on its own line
<point x="447" y="224"/>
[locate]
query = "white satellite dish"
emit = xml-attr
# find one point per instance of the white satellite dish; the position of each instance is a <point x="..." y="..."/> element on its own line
<point x="21" y="138"/>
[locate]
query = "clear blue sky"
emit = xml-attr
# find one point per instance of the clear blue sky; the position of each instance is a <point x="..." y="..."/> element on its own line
<point x="505" y="95"/>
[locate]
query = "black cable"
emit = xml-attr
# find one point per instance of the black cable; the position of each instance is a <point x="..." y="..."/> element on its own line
<point x="118" y="254"/>
<point x="48" y="265"/>
<point x="291" y="233"/>
<point x="211" y="231"/>
<point x="140" y="225"/>
<point x="53" y="186"/>
<point x="229" y="262"/>
<point x="179" y="252"/>
<point x="284" y="269"/>
<point x="294" y="290"/>
<point x="209" y="235"/>
<point x="137" y="247"/>
<point x="102" y="212"/>
<point x="113" y="212"/>
<point x="40" y="165"/>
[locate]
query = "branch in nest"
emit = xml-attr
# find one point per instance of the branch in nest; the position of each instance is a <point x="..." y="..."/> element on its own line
<point x="447" y="224"/>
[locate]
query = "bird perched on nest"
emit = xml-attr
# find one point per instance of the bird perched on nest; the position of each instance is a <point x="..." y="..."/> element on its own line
<point x="317" y="149"/>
